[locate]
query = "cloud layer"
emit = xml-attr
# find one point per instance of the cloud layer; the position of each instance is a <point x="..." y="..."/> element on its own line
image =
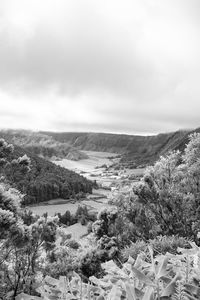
<point x="118" y="66"/>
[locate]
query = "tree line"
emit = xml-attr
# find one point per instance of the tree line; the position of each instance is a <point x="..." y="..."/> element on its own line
<point x="45" y="180"/>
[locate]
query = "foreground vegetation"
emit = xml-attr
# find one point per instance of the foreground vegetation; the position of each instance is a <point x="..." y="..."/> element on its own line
<point x="165" y="277"/>
<point x="131" y="251"/>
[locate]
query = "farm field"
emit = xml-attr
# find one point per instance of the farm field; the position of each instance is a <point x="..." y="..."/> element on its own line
<point x="96" y="159"/>
<point x="89" y="168"/>
<point x="62" y="205"/>
<point x="77" y="231"/>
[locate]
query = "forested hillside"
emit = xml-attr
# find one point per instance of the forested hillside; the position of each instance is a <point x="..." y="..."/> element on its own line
<point x="47" y="181"/>
<point x="139" y="150"/>
<point x="135" y="148"/>
<point x="41" y="144"/>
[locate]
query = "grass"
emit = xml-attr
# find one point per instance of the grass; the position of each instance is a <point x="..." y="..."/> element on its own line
<point x="77" y="231"/>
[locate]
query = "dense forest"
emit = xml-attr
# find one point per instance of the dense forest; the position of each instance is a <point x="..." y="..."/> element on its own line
<point x="144" y="247"/>
<point x="45" y="180"/>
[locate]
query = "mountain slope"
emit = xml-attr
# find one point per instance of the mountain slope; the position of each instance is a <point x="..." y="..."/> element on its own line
<point x="136" y="149"/>
<point x="47" y="181"/>
<point x="41" y="144"/>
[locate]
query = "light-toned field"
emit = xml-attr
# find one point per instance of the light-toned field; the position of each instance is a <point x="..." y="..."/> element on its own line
<point x="95" y="159"/>
<point x="77" y="231"/>
<point x="52" y="209"/>
<point x="94" y="203"/>
<point x="98" y="199"/>
<point x="88" y="166"/>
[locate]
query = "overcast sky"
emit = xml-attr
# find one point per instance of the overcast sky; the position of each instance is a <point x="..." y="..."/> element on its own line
<point x="124" y="66"/>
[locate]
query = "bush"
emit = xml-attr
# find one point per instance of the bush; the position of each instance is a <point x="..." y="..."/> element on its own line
<point x="83" y="221"/>
<point x="72" y="244"/>
<point x="89" y="227"/>
<point x="90" y="264"/>
<point x="160" y="245"/>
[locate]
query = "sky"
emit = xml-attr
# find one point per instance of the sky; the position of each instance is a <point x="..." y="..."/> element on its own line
<point x="121" y="66"/>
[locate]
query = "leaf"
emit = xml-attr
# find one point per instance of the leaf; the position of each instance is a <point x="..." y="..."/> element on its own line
<point x="166" y="279"/>
<point x="100" y="282"/>
<point x="100" y="297"/>
<point x="192" y="289"/>
<point x="23" y="296"/>
<point x="130" y="292"/>
<point x="142" y="277"/>
<point x="115" y="293"/>
<point x="51" y="280"/>
<point x="139" y="293"/>
<point x="130" y="260"/>
<point x="111" y="268"/>
<point x="162" y="271"/>
<point x="188" y="252"/>
<point x="140" y="262"/>
<point x="149" y="294"/>
<point x="170" y="288"/>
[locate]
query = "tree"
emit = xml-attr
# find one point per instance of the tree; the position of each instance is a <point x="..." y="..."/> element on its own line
<point x="167" y="199"/>
<point x="20" y="242"/>
<point x="105" y="223"/>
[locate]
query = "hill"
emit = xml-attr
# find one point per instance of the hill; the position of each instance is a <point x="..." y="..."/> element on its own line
<point x="47" y="181"/>
<point x="134" y="148"/>
<point x="42" y="145"/>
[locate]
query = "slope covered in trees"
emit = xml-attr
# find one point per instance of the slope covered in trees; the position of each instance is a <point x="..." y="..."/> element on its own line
<point x="46" y="181"/>
<point x="41" y="144"/>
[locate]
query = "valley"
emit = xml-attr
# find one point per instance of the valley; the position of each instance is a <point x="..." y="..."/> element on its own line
<point x="104" y="168"/>
<point x="101" y="214"/>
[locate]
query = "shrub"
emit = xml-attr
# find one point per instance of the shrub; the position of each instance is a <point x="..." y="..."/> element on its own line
<point x="89" y="227"/>
<point x="90" y="264"/>
<point x="164" y="277"/>
<point x="83" y="221"/>
<point x="72" y="244"/>
<point x="160" y="245"/>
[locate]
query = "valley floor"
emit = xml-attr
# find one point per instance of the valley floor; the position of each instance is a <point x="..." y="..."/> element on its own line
<point x="101" y="167"/>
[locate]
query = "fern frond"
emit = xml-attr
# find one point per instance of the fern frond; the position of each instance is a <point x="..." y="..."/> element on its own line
<point x="180" y="293"/>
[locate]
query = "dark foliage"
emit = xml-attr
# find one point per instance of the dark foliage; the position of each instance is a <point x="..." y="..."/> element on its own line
<point x="46" y="181"/>
<point x="81" y="215"/>
<point x="41" y="144"/>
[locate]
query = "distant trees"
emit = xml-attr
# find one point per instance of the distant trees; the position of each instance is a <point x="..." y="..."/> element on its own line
<point x="81" y="215"/>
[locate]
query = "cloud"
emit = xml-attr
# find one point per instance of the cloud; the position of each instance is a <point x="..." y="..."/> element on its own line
<point x="117" y="66"/>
